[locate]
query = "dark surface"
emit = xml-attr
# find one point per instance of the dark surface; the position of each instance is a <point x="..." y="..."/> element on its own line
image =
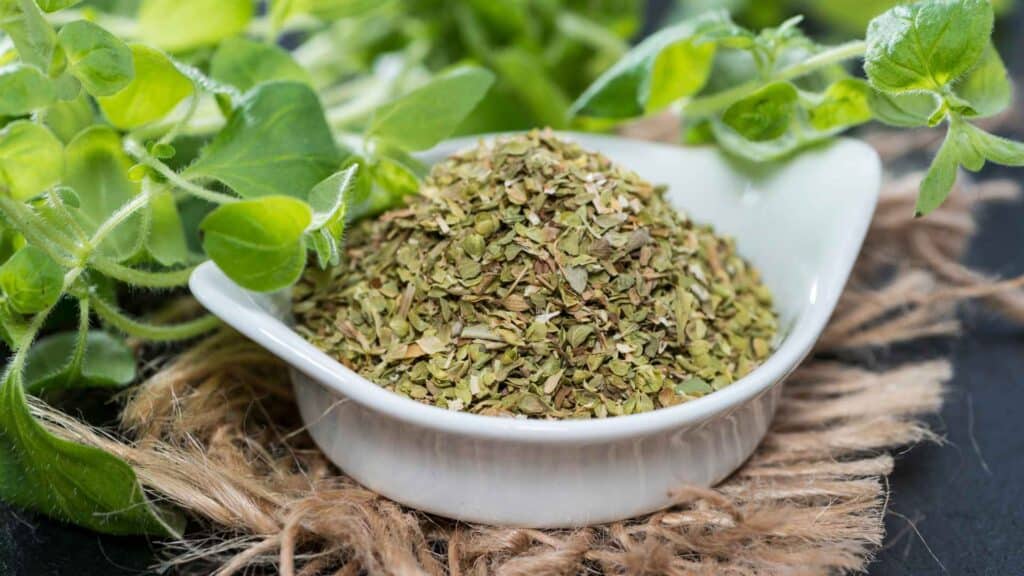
<point x="955" y="509"/>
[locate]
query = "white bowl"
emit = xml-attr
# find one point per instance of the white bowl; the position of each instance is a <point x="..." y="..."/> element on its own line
<point x="801" y="223"/>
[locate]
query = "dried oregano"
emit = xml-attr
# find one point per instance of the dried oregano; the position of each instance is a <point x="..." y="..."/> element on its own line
<point x="535" y="278"/>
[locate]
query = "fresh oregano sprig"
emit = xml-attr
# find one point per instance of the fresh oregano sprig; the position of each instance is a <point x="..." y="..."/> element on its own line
<point x="765" y="95"/>
<point x="115" y="154"/>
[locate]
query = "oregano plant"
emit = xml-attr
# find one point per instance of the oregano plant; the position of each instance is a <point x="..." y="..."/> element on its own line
<point x="131" y="153"/>
<point x="768" y="94"/>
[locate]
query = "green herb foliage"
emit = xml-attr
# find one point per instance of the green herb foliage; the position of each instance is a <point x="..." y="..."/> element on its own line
<point x="766" y="95"/>
<point x="135" y="145"/>
<point x="138" y="139"/>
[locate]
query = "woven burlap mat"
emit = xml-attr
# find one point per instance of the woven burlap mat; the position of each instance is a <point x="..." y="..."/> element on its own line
<point x="215" y="432"/>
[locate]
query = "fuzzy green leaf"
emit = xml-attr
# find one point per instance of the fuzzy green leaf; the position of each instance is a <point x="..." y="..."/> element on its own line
<point x="54" y="363"/>
<point x="668" y="65"/>
<point x="329" y="200"/>
<point x="429" y="114"/>
<point x="97" y="58"/>
<point x="927" y="45"/>
<point x="179" y="25"/>
<point x="244" y="63"/>
<point x="276" y="142"/>
<point x="157" y="87"/>
<point x="986" y="87"/>
<point x="991" y="147"/>
<point x="259" y="243"/>
<point x="31" y="281"/>
<point x="69" y="481"/>
<point x="907" y="110"/>
<point x="24" y="89"/>
<point x="97" y="169"/>
<point x="31" y="159"/>
<point x="940" y="178"/>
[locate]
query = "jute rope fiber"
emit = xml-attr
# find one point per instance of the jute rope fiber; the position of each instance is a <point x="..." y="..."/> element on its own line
<point x="214" y="431"/>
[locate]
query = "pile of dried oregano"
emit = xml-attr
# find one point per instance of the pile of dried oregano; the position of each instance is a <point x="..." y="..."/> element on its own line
<point x="535" y="278"/>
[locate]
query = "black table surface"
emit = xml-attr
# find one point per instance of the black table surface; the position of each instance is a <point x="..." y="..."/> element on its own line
<point x="955" y="508"/>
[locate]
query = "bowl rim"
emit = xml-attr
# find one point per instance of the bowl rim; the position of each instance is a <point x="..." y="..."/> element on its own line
<point x="207" y="283"/>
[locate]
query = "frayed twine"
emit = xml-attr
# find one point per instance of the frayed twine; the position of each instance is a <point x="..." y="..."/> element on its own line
<point x="216" y="433"/>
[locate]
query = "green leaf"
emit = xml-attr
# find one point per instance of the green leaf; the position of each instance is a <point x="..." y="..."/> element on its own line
<point x="31" y="281"/>
<point x="24" y="89"/>
<point x="667" y="66"/>
<point x="66" y="87"/>
<point x="66" y="118"/>
<point x="928" y="45"/>
<point x="32" y="35"/>
<point x="157" y="87"/>
<point x="244" y="63"/>
<point x="55" y="363"/>
<point x="986" y="87"/>
<point x="31" y="159"/>
<point x="429" y="114"/>
<point x="69" y="481"/>
<point x="765" y="114"/>
<point x="259" y="243"/>
<point x="329" y="201"/>
<point x="55" y="5"/>
<point x="97" y="58"/>
<point x="179" y="25"/>
<point x="940" y="178"/>
<point x="845" y="103"/>
<point x="381" y="185"/>
<point x="907" y="110"/>
<point x="166" y="239"/>
<point x="535" y="92"/>
<point x="283" y="10"/>
<point x="97" y="169"/>
<point x="276" y="142"/>
<point x="991" y="147"/>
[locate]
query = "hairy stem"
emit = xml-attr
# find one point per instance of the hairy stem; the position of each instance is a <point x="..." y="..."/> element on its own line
<point x="176" y="128"/>
<point x="22" y="219"/>
<point x="152" y="332"/>
<point x="83" y="334"/>
<point x="60" y="211"/>
<point x="118" y="217"/>
<point x="142" y="278"/>
<point x="137" y="151"/>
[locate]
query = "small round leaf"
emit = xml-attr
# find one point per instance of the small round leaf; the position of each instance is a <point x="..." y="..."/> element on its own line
<point x="259" y="243"/>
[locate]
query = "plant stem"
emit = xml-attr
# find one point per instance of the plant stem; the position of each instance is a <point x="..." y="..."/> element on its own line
<point x="118" y="217"/>
<point x="193" y="105"/>
<point x="154" y="333"/>
<point x="83" y="335"/>
<point x="142" y="278"/>
<point x="707" y="105"/>
<point x="60" y="211"/>
<point x="23" y="344"/>
<point x="23" y="220"/>
<point x="136" y="150"/>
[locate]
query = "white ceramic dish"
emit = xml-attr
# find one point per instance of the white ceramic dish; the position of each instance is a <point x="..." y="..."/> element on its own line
<point x="801" y="223"/>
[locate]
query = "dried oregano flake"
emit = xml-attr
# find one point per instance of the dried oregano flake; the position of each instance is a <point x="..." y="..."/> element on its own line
<point x="535" y="278"/>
